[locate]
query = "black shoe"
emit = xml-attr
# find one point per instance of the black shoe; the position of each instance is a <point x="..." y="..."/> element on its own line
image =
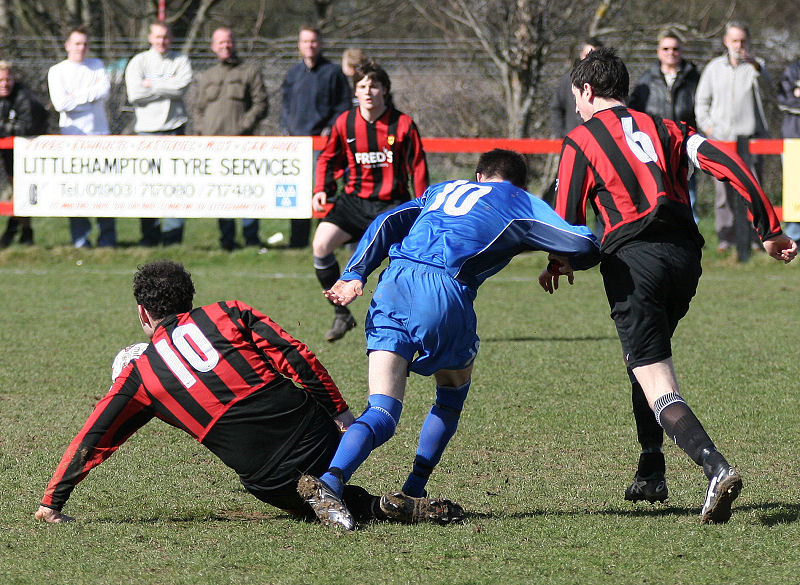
<point x="723" y="489"/>
<point x="328" y="507"/>
<point x="342" y="323"/>
<point x="7" y="238"/>
<point x="652" y="488"/>
<point x="402" y="508"/>
<point x="26" y="237"/>
<point x="229" y="246"/>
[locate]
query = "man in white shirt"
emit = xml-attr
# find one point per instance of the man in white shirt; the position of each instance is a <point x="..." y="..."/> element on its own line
<point x="156" y="81"/>
<point x="79" y="89"/>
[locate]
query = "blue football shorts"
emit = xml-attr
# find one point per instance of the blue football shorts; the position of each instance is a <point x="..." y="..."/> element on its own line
<point x="424" y="315"/>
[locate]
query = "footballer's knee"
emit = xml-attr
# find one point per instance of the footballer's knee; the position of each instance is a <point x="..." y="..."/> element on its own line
<point x="381" y="417"/>
<point x="452" y="398"/>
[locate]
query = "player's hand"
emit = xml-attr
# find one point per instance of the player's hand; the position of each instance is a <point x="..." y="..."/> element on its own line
<point x="558" y="266"/>
<point x="344" y="292"/>
<point x="344" y="420"/>
<point x="549" y="282"/>
<point x="318" y="201"/>
<point x="51" y="516"/>
<point x="781" y="247"/>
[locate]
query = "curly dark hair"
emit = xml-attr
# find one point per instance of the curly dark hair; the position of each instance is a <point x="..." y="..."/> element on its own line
<point x="163" y="288"/>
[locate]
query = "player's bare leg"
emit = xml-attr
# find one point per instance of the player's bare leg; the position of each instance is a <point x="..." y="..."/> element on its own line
<point x="660" y="386"/>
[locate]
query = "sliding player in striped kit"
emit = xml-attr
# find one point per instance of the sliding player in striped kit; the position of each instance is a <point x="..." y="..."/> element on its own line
<point x="234" y="380"/>
<point x="632" y="168"/>
<point x="442" y="247"/>
<point x="376" y="149"/>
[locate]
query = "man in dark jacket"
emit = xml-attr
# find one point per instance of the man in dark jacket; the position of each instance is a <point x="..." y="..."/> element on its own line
<point x="21" y="114"/>
<point x="667" y="90"/>
<point x="314" y="92"/>
<point x="230" y="101"/>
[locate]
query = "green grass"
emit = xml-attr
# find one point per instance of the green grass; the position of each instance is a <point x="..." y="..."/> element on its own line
<point x="544" y="451"/>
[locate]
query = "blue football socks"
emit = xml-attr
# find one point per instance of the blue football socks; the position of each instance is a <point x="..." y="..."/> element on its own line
<point x="373" y="428"/>
<point x="437" y="430"/>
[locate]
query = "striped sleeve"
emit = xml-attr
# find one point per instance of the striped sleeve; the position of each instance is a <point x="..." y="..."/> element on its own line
<point x="119" y="414"/>
<point x="728" y="166"/>
<point x="573" y="184"/>
<point x="293" y="359"/>
<point x="332" y="161"/>
<point x="417" y="163"/>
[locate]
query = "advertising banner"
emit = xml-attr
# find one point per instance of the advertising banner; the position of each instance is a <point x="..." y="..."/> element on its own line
<point x="163" y="176"/>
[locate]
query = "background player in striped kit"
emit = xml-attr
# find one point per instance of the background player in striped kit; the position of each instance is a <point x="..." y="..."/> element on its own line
<point x="442" y="247"/>
<point x="632" y="168"/>
<point x="222" y="373"/>
<point x="375" y="149"/>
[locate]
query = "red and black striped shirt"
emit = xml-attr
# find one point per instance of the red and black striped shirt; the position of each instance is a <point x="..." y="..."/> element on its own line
<point x="379" y="157"/>
<point x="197" y="373"/>
<point x="633" y="169"/>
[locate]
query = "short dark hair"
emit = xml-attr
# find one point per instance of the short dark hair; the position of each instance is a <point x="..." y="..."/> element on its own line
<point x="374" y="72"/>
<point x="508" y="165"/>
<point x="605" y="72"/>
<point x="80" y="29"/>
<point x="163" y="24"/>
<point x="310" y="28"/>
<point x="594" y="42"/>
<point x="163" y="288"/>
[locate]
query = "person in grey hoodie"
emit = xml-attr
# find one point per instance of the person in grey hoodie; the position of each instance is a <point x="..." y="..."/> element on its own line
<point x="728" y="105"/>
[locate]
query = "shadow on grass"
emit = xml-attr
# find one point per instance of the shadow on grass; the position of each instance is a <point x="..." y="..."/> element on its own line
<point x="769" y="514"/>
<point x="547" y="338"/>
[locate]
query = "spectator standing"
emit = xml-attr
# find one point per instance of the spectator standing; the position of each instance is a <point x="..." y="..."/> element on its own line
<point x="563" y="117"/>
<point x="21" y="114"/>
<point x="667" y="90"/>
<point x="156" y="81"/>
<point x="351" y="59"/>
<point x="313" y="93"/>
<point x="79" y="88"/>
<point x="376" y="150"/>
<point x="727" y="106"/>
<point x="230" y="101"/>
<point x="789" y="103"/>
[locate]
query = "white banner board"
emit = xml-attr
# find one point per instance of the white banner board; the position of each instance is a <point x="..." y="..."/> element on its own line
<point x="163" y="176"/>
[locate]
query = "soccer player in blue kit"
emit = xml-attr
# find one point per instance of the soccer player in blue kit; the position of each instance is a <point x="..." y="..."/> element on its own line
<point x="442" y="247"/>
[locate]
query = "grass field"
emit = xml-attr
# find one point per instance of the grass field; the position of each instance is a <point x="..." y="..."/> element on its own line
<point x="544" y="451"/>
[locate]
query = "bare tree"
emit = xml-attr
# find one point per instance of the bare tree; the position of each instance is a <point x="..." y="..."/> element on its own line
<point x="518" y="37"/>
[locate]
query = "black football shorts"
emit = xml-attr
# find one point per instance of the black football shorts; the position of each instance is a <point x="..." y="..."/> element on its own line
<point x="649" y="285"/>
<point x="353" y="214"/>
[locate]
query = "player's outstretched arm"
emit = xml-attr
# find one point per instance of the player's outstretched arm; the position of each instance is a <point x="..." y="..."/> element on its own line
<point x="344" y="292"/>
<point x="781" y="247"/>
<point x="51" y="516"/>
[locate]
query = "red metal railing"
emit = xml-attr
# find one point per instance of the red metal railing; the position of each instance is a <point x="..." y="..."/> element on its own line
<point x="453" y="145"/>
